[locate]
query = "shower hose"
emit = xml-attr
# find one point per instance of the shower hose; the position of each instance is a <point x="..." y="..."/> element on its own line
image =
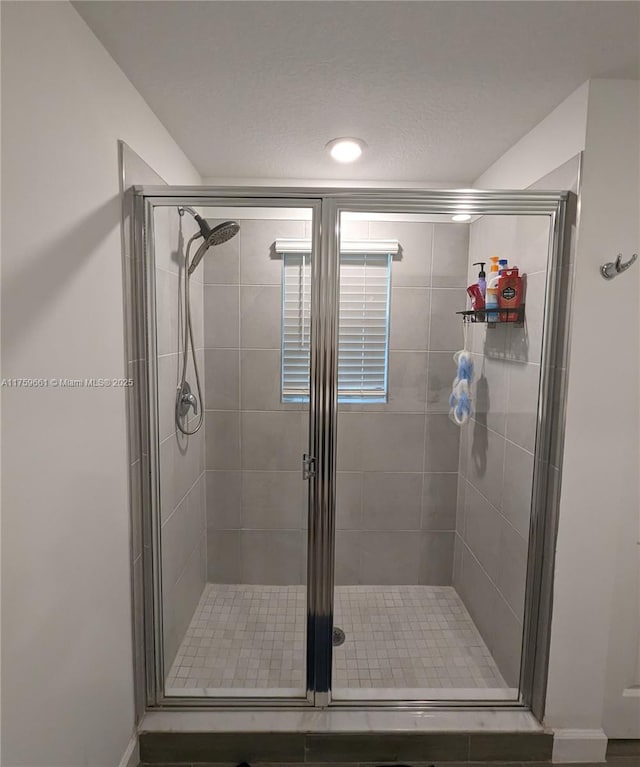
<point x="188" y="343"/>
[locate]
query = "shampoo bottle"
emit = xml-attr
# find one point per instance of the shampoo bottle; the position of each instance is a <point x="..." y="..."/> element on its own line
<point x="510" y="294"/>
<point x="491" y="301"/>
<point x="494" y="274"/>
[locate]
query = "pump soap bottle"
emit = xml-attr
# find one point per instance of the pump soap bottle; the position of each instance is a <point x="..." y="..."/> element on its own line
<point x="482" y="277"/>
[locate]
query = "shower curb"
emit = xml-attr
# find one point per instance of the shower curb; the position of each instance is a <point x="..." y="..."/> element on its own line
<point x="215" y="749"/>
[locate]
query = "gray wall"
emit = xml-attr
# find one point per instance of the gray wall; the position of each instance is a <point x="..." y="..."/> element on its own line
<point x="397" y="462"/>
<point x="182" y="479"/>
<point x="496" y="453"/>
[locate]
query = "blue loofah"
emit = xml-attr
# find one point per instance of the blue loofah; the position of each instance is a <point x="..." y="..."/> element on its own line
<point x="464" y="406"/>
<point x="465" y="368"/>
<point x="460" y="399"/>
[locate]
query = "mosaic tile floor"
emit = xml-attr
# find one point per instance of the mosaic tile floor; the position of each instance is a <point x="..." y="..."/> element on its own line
<point x="253" y="637"/>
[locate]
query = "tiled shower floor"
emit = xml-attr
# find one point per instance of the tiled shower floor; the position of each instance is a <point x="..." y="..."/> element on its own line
<point x="251" y="640"/>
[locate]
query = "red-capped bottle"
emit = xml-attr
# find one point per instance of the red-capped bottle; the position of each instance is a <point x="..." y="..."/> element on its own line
<point x="509" y="294"/>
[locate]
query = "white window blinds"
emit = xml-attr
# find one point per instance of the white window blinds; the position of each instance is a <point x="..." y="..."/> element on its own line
<point x="363" y="332"/>
<point x="296" y="326"/>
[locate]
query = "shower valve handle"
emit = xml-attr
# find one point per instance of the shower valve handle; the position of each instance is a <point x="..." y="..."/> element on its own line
<point x="186" y="399"/>
<point x="190" y="400"/>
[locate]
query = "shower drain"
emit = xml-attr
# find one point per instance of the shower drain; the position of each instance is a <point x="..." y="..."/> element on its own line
<point x="338" y="636"/>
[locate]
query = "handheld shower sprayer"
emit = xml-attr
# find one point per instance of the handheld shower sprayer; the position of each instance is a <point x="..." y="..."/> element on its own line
<point x="185" y="398"/>
<point x="216" y="236"/>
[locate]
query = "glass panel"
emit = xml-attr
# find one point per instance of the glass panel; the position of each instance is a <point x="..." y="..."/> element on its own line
<point x="233" y="501"/>
<point x="432" y="518"/>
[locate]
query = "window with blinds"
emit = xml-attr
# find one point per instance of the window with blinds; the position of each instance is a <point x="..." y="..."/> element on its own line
<point x="363" y="330"/>
<point x="296" y="325"/>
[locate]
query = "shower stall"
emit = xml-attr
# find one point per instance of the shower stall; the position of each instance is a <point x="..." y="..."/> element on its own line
<point x="330" y="536"/>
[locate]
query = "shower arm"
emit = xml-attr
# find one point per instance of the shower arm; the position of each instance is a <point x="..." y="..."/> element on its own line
<point x="182" y="209"/>
<point x="205" y="230"/>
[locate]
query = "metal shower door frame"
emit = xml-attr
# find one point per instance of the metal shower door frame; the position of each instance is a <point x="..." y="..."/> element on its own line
<point x="561" y="209"/>
<point x="145" y="201"/>
<point x="328" y="204"/>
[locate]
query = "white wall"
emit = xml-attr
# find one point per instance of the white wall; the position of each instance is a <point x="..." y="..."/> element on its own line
<point x="599" y="495"/>
<point x="554" y="141"/>
<point x="595" y="617"/>
<point x="67" y="695"/>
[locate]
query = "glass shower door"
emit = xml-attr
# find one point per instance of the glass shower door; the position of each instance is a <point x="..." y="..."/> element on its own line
<point x="433" y="518"/>
<point x="233" y="504"/>
<point x="402" y="560"/>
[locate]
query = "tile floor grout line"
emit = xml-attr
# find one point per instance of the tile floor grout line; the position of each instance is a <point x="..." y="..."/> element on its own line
<point x="250" y="637"/>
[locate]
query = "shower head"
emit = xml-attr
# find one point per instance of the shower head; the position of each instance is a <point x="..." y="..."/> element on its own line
<point x="216" y="236"/>
<point x="222" y="232"/>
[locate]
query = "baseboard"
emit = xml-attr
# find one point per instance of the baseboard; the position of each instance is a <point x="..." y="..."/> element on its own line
<point x="624" y="747"/>
<point x="579" y="746"/>
<point x="131" y="756"/>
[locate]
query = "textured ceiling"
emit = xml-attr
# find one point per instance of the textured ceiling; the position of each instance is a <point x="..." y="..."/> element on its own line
<point x="438" y="90"/>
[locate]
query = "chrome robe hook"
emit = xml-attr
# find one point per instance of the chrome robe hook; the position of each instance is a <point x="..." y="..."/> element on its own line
<point x="613" y="268"/>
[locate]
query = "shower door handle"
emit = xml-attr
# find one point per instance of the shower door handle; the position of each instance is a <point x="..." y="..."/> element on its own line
<point x="308" y="466"/>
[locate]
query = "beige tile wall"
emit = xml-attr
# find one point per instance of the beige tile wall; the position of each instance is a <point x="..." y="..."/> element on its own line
<point x="496" y="452"/>
<point x="256" y="498"/>
<point x="397" y="462"/>
<point x="182" y="477"/>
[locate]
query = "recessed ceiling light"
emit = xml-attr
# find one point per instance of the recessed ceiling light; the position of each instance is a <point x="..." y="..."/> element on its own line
<point x="461" y="217"/>
<point x="346" y="149"/>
